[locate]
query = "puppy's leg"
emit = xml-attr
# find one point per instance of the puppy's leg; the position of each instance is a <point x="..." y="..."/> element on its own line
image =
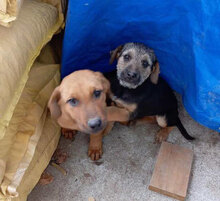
<point x="117" y="114"/>
<point x="127" y="123"/>
<point x="68" y="134"/>
<point x="147" y="119"/>
<point x="108" y="128"/>
<point x="95" y="146"/>
<point x="163" y="133"/>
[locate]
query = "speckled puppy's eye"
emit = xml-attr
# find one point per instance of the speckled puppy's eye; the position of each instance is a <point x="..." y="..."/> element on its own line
<point x="73" y="102"/>
<point x="145" y="63"/>
<point x="97" y="93"/>
<point x="127" y="57"/>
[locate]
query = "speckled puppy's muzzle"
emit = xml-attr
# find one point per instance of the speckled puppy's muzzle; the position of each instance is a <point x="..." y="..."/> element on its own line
<point x="135" y="64"/>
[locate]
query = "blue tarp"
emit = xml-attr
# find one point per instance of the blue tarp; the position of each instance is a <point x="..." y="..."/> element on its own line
<point x="184" y="34"/>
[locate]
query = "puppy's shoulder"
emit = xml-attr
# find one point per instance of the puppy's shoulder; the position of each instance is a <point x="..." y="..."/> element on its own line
<point x="163" y="84"/>
<point x="112" y="78"/>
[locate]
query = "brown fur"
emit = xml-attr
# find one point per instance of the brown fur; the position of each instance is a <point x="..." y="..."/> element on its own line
<point x="163" y="134"/>
<point x="155" y="73"/>
<point x="81" y="85"/>
<point x="115" y="53"/>
<point x="131" y="107"/>
<point x="68" y="134"/>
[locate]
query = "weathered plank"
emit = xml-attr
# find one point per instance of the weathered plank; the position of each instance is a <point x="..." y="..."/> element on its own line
<point x="172" y="171"/>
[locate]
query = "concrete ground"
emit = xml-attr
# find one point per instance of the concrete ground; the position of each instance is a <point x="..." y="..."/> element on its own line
<point x="125" y="170"/>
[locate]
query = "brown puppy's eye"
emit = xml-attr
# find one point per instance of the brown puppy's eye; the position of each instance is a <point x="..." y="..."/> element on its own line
<point x="97" y="93"/>
<point x="145" y="63"/>
<point x="73" y="102"/>
<point x="127" y="57"/>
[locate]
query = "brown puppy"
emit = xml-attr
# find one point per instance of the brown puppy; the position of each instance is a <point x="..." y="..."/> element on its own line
<point x="79" y="103"/>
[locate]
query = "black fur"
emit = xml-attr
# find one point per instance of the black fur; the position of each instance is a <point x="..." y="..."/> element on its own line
<point x="151" y="99"/>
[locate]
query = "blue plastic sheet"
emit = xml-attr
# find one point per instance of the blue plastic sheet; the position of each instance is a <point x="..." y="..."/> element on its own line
<point x="184" y="34"/>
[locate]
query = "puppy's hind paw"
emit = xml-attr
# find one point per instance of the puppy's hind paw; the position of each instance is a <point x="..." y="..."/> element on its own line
<point x="95" y="154"/>
<point x="163" y="134"/>
<point x="160" y="137"/>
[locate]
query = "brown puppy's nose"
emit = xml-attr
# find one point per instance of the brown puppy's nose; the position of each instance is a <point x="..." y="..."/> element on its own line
<point x="132" y="74"/>
<point x="95" y="123"/>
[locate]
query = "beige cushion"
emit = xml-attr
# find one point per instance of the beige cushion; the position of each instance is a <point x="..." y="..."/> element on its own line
<point x="18" y="148"/>
<point x="19" y="47"/>
<point x="45" y="148"/>
<point x="9" y="10"/>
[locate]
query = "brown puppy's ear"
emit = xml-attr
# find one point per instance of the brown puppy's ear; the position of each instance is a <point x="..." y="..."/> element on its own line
<point x="53" y="104"/>
<point x="155" y="73"/>
<point x="115" y="53"/>
<point x="106" y="85"/>
<point x="104" y="81"/>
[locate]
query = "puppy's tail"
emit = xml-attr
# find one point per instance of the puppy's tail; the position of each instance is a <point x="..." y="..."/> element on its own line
<point x="183" y="130"/>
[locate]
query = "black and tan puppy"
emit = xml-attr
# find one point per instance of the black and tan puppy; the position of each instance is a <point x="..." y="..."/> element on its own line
<point x="137" y="86"/>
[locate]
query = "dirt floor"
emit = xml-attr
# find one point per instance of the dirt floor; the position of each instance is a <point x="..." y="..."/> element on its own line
<point x="125" y="170"/>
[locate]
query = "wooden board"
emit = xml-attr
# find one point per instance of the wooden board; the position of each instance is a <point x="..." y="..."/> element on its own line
<point x="3" y="6"/>
<point x="172" y="171"/>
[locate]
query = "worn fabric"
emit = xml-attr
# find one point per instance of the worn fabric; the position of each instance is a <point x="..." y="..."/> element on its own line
<point x="9" y="10"/>
<point x="19" y="47"/>
<point x="18" y="148"/>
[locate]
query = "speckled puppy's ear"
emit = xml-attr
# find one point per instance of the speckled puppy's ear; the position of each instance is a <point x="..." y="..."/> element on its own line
<point x="155" y="73"/>
<point x="115" y="54"/>
<point x="53" y="104"/>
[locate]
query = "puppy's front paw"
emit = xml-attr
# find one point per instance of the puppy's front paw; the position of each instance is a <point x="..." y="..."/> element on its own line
<point x="161" y="136"/>
<point x="68" y="134"/>
<point x="95" y="153"/>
